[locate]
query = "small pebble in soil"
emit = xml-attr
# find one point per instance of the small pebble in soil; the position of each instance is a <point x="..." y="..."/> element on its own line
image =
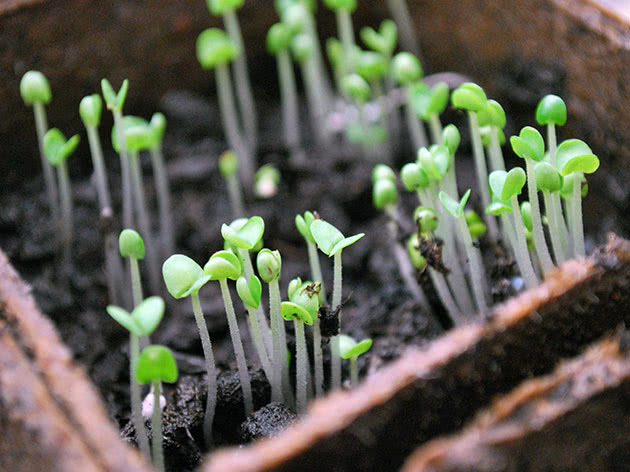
<point x="268" y="421"/>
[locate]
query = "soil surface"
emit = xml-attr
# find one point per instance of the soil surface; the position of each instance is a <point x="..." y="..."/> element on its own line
<point x="335" y="182"/>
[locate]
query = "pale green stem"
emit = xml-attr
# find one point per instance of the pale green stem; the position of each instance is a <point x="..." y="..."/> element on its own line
<point x="98" y="162"/>
<point x="254" y="329"/>
<point x="551" y="143"/>
<point x="435" y="126"/>
<point x="136" y="282"/>
<point x="577" y="229"/>
<point x="316" y="268"/>
<point x="41" y="126"/>
<point x="477" y="272"/>
<point x="311" y="30"/>
<point x="164" y="200"/>
<point x="66" y="206"/>
<point x="568" y="211"/>
<point x="416" y="128"/>
<point x="336" y="305"/>
<point x="318" y="357"/>
<point x="243" y="84"/>
<point x="554" y="229"/>
<point x="527" y="269"/>
<point x="315" y="104"/>
<point x="279" y="357"/>
<point x="300" y="366"/>
<point x="136" y="399"/>
<point x="124" y="170"/>
<point x="235" y="335"/>
<point x="288" y="97"/>
<point x="537" y="228"/>
<point x="482" y="174"/>
<point x="439" y="282"/>
<point x="156" y="428"/>
<point x="206" y="345"/>
<point x="235" y="195"/>
<point x="231" y="126"/>
<point x="346" y="33"/>
<point x="401" y="15"/>
<point x="113" y="268"/>
<point x="354" y="372"/>
<point x="287" y="387"/>
<point x="562" y="225"/>
<point x="496" y="154"/>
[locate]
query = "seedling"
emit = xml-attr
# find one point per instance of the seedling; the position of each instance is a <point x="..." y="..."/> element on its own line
<point x="215" y="50"/>
<point x="477" y="272"/>
<point x="343" y="12"/>
<point x="184" y="278"/>
<point x="350" y="349"/>
<point x="476" y="226"/>
<point x="90" y="110"/>
<point x="551" y="111"/>
<point x="227" y="9"/>
<point x="429" y="103"/>
<point x="302" y="307"/>
<point x="35" y="92"/>
<point x="221" y="266"/>
<point x="401" y="15"/>
<point x="383" y="40"/>
<point x="492" y="117"/>
<point x="529" y="145"/>
<point x="406" y="70"/>
<point x="575" y="158"/>
<point x="549" y="181"/>
<point x="332" y="242"/>
<point x="157" y="365"/>
<point x="228" y="167"/>
<point x="267" y="181"/>
<point x="57" y="150"/>
<point x="506" y="186"/>
<point x="131" y="246"/>
<point x="142" y="321"/>
<point x="358" y="90"/>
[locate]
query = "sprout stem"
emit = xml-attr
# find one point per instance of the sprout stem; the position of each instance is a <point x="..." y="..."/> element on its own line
<point x="300" y="367"/>
<point x="539" y="236"/>
<point x="554" y="229"/>
<point x="401" y="15"/>
<point x="318" y="357"/>
<point x="311" y="30"/>
<point x="288" y="94"/>
<point x="482" y="174"/>
<point x="41" y="125"/>
<point x="231" y="126"/>
<point x="163" y="199"/>
<point x="525" y="266"/>
<point x="136" y="400"/>
<point x="243" y="84"/>
<point x="124" y="170"/>
<point x="477" y="272"/>
<point x="156" y="428"/>
<point x="96" y="151"/>
<point x="416" y="128"/>
<point x="315" y="103"/>
<point x="238" y="348"/>
<point x="235" y="195"/>
<point x="577" y="230"/>
<point x="562" y="225"/>
<point x="254" y="329"/>
<point x="551" y="143"/>
<point x="336" y="305"/>
<point x="346" y="33"/>
<point x="496" y="154"/>
<point x="279" y="358"/>
<point x="439" y="282"/>
<point x="435" y="126"/>
<point x="354" y="372"/>
<point x="210" y="368"/>
<point x="136" y="283"/>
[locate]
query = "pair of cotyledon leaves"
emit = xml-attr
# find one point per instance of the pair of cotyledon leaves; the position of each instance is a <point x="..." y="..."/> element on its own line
<point x="349" y="348"/>
<point x="140" y="135"/>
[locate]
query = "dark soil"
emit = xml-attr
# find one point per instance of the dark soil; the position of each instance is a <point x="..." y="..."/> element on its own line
<point x="336" y="183"/>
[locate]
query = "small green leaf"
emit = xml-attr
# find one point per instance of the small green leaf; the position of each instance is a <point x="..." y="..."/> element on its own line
<point x="574" y="155"/>
<point x="548" y="179"/>
<point x="384" y="193"/>
<point x="414" y="177"/>
<point x="349" y="348"/>
<point x="220" y="7"/>
<point x="303" y="302"/>
<point x="425" y="218"/>
<point x="567" y="186"/>
<point x="269" y="264"/>
<point x="279" y="38"/>
<point x="344" y="243"/>
<point x="506" y="184"/>
<point x="343" y="5"/>
<point x="529" y="144"/>
<point x="124" y="319"/>
<point x="526" y="215"/>
<point x="56" y="148"/>
<point x="302" y="47"/>
<point x="356" y="87"/>
<point x="90" y="110"/>
<point x="148" y="315"/>
<point x="223" y="265"/>
<point x="383" y="41"/>
<point x="382" y="171"/>
<point x="303" y="224"/>
<point x="156" y="363"/>
<point x="435" y="162"/>
<point x="492" y="115"/>
<point x="138" y="134"/>
<point x="291" y="311"/>
<point x="498" y="208"/>
<point x="228" y="164"/>
<point x="429" y="101"/>
<point x="295" y="284"/>
<point x="214" y="47"/>
<point x="251" y="292"/>
<point x="325" y="235"/>
<point x="469" y="96"/>
<point x="455" y="208"/>
<point x="451" y="138"/>
<point x="246" y="236"/>
<point x="372" y="66"/>
<point x="158" y="126"/>
<point x="130" y="244"/>
<point x="334" y="51"/>
<point x="183" y="276"/>
<point x="551" y="110"/>
<point x="417" y="259"/>
<point x="34" y="88"/>
<point x="406" y="68"/>
<point x="115" y="101"/>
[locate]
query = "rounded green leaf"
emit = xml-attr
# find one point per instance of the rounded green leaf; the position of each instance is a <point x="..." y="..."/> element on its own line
<point x="343" y="5"/>
<point x="282" y="5"/>
<point x="228" y="164"/>
<point x="291" y="311"/>
<point x="220" y="7"/>
<point x="156" y="363"/>
<point x="383" y="41"/>
<point x="414" y="177"/>
<point x="349" y="348"/>
<point x="429" y="101"/>
<point x="344" y="243"/>
<point x="406" y="68"/>
<point x="551" y="110"/>
<point x="34" y="88"/>
<point x="469" y="96"/>
<point x="214" y="47"/>
<point x="56" y="148"/>
<point x="492" y="114"/>
<point x="476" y="227"/>
<point x="434" y="162"/>
<point x="371" y="65"/>
<point x="90" y="110"/>
<point x="246" y="236"/>
<point x="417" y="259"/>
<point x="130" y="244"/>
<point x="356" y="87"/>
<point x="138" y="134"/>
<point x="249" y="292"/>
<point x="266" y="181"/>
<point x="223" y="265"/>
<point x="303" y="302"/>
<point x="303" y="224"/>
<point x="293" y="286"/>
<point x="529" y="144"/>
<point x="302" y="47"/>
<point x="574" y="155"/>
<point x="526" y="215"/>
<point x="326" y="235"/>
<point x="124" y="319"/>
<point x="158" y="126"/>
<point x="486" y="135"/>
<point x="269" y="264"/>
<point x="383" y="172"/>
<point x="506" y="184"/>
<point x="384" y="193"/>
<point x="115" y="101"/>
<point x="148" y="315"/>
<point x="498" y="208"/>
<point x="567" y="186"/>
<point x="334" y="51"/>
<point x="183" y="276"/>
<point x="279" y="38"/>
<point x="548" y="179"/>
<point x="451" y="138"/>
<point x="455" y="208"/>
<point x="425" y="218"/>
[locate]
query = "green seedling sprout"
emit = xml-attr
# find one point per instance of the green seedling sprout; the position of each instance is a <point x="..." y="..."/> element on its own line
<point x="57" y="150"/>
<point x="269" y="264"/>
<point x="228" y="167"/>
<point x="506" y="186"/>
<point x="332" y="243"/>
<point x="575" y="157"/>
<point x="343" y="12"/>
<point x="156" y="365"/>
<point x="302" y="307"/>
<point x="221" y="266"/>
<point x="400" y="13"/>
<point x="429" y="103"/>
<point x="492" y="117"/>
<point x="138" y="136"/>
<point x="142" y="321"/>
<point x="303" y="224"/>
<point x="418" y="261"/>
<point x="350" y="349"/>
<point x="334" y="51"/>
<point x="566" y="194"/>
<point x="549" y="181"/>
<point x="278" y="43"/>
<point x="471" y="98"/>
<point x="35" y="92"/>
<point x="358" y="91"/>
<point x="158" y="127"/>
<point x="477" y="272"/>
<point x="131" y="246"/>
<point x="215" y="50"/>
<point x="227" y="9"/>
<point x="551" y="111"/>
<point x="267" y="181"/>
<point x="115" y="102"/>
<point x="406" y="70"/>
<point x="184" y="278"/>
<point x="476" y="226"/>
<point x="529" y="145"/>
